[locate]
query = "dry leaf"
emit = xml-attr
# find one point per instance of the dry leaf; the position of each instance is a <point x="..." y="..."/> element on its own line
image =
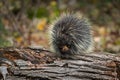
<point x="19" y="39"/>
<point x="41" y="24"/>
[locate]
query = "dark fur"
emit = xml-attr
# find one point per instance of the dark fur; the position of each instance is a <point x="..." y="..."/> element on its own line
<point x="73" y="34"/>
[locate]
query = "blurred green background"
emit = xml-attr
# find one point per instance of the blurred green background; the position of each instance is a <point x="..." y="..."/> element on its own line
<point x="26" y="22"/>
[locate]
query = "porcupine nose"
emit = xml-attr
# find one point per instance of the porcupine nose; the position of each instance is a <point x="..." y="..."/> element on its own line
<point x="64" y="49"/>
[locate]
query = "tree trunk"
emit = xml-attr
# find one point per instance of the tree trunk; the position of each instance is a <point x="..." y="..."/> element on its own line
<point x="40" y="64"/>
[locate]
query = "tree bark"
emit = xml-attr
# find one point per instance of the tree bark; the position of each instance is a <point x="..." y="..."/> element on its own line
<point x="41" y="64"/>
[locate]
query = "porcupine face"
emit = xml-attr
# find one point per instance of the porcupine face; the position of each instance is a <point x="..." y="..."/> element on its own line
<point x="71" y="35"/>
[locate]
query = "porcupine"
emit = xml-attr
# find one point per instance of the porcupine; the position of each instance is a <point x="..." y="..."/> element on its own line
<point x="71" y="35"/>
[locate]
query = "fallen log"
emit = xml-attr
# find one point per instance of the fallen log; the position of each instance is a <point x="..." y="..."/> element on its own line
<point x="41" y="64"/>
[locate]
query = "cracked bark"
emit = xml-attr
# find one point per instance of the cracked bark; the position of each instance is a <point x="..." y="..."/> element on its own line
<point x="40" y="64"/>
